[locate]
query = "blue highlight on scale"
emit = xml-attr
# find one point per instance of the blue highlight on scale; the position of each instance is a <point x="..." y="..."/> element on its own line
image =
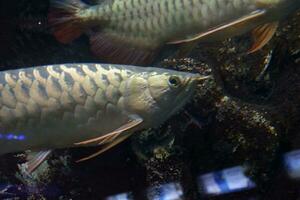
<point x="11" y="136"/>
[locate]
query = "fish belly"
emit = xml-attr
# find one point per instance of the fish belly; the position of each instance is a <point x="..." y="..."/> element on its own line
<point x="56" y="106"/>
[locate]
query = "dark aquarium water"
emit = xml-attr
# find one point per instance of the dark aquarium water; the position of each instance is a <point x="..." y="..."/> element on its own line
<point x="237" y="137"/>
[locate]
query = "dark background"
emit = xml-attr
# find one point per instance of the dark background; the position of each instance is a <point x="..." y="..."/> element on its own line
<point x="241" y="119"/>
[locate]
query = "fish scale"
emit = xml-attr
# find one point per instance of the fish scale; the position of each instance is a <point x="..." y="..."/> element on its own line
<point x="135" y="31"/>
<point x="64" y="92"/>
<point x="170" y="13"/>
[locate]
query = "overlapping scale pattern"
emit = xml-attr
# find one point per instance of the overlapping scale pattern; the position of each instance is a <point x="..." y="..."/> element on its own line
<point x="149" y="20"/>
<point x="81" y="94"/>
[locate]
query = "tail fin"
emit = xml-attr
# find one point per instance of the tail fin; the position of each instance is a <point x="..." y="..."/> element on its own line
<point x="64" y="21"/>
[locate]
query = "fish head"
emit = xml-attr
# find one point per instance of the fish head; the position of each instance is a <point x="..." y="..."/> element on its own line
<point x="157" y="94"/>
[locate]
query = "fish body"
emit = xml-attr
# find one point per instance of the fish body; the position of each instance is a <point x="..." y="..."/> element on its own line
<point x="133" y="31"/>
<point x="59" y="106"/>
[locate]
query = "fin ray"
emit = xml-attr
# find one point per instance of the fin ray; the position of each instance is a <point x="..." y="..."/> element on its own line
<point x="114" y="48"/>
<point x="218" y="29"/>
<point x="110" y="140"/>
<point x="63" y="19"/>
<point x="106" y="147"/>
<point x="134" y="121"/>
<point x="37" y="158"/>
<point x="262" y="35"/>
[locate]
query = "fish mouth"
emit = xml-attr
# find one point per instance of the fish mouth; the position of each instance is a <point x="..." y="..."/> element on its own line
<point x="189" y="84"/>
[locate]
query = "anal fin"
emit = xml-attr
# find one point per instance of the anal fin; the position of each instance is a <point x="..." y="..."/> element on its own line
<point x="262" y="35"/>
<point x="114" y="48"/>
<point x="35" y="159"/>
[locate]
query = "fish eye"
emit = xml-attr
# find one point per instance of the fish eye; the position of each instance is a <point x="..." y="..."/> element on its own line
<point x="174" y="81"/>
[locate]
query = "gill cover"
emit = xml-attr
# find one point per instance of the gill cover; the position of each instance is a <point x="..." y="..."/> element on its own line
<point x="137" y="96"/>
<point x="154" y="96"/>
<point x="163" y="88"/>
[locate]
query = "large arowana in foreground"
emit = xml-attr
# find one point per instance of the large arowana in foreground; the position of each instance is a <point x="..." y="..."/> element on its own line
<point x="69" y="105"/>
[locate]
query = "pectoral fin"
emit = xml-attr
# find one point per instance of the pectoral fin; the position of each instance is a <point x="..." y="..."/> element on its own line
<point x="262" y="35"/>
<point x="117" y="140"/>
<point x="133" y="122"/>
<point x="35" y="159"/>
<point x="230" y="27"/>
<point x="111" y="139"/>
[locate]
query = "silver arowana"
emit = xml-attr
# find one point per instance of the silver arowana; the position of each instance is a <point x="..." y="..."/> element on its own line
<point x="135" y="31"/>
<point x="69" y="105"/>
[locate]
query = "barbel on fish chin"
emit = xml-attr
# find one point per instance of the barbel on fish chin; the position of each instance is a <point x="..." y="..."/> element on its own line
<point x="134" y="31"/>
<point x="60" y="106"/>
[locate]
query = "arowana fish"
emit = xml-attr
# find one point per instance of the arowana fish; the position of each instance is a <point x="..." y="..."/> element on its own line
<point x="70" y="105"/>
<point x="134" y="31"/>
